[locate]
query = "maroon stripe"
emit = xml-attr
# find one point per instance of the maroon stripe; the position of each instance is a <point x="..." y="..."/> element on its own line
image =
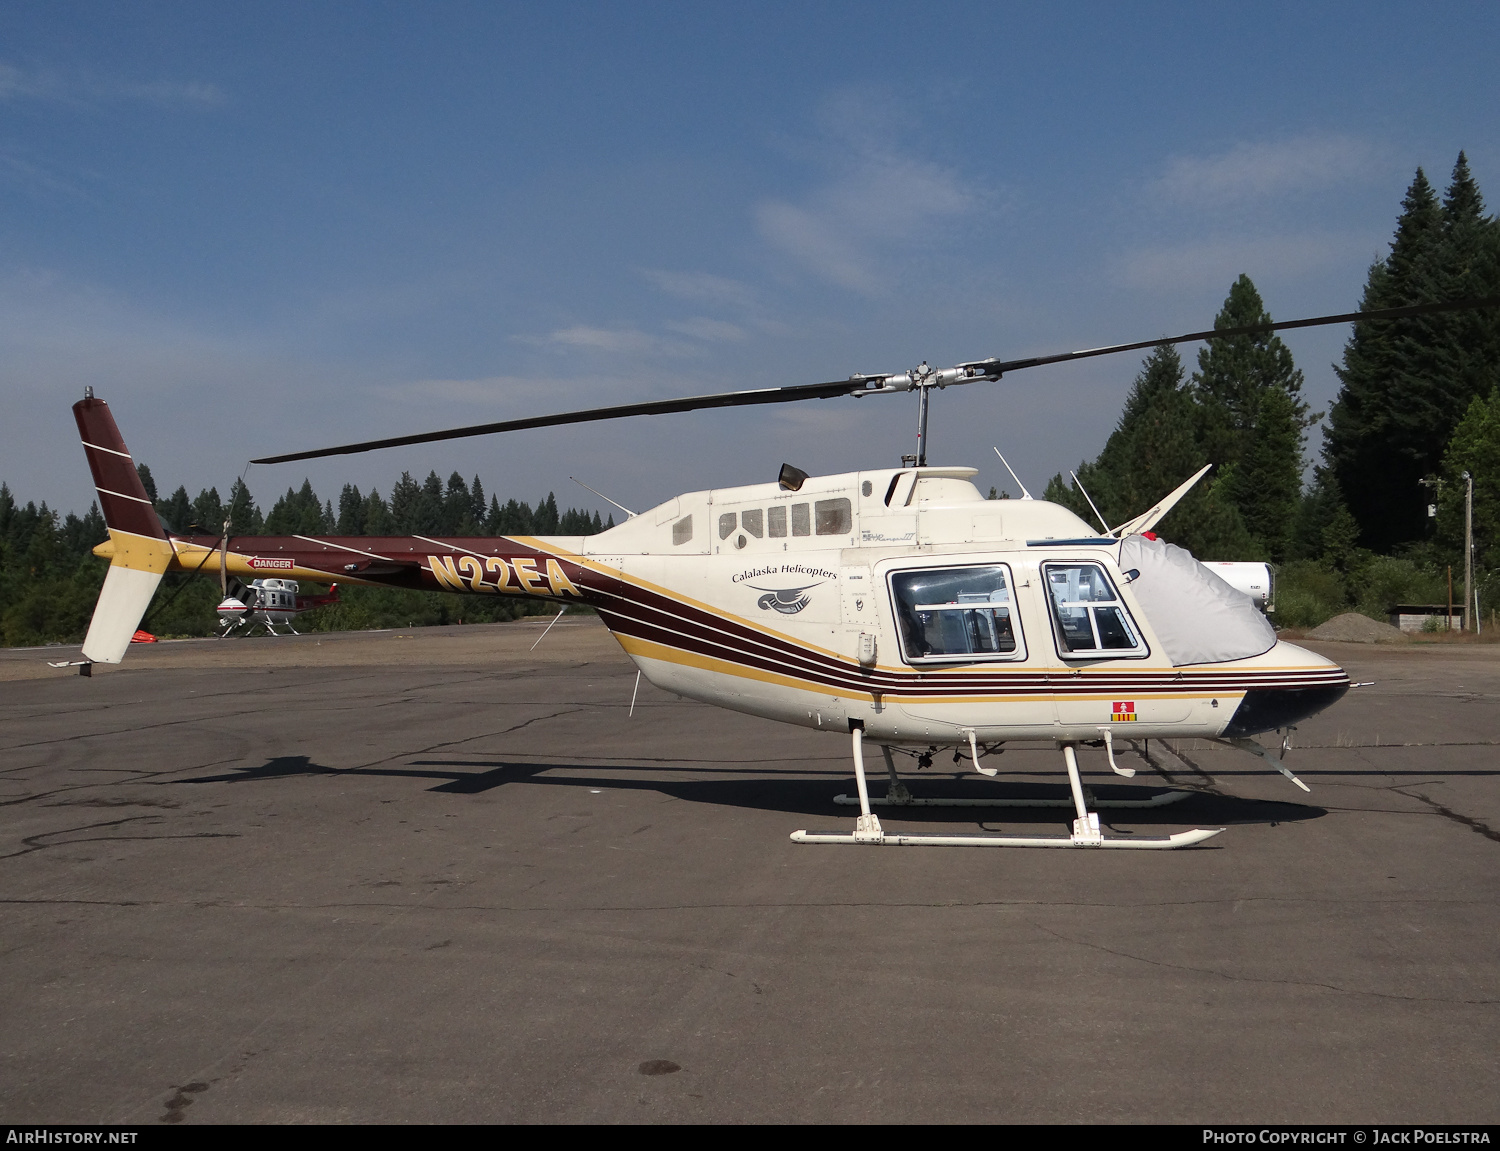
<point x="114" y="476"/>
<point x="651" y="616"/>
<point x="129" y="516"/>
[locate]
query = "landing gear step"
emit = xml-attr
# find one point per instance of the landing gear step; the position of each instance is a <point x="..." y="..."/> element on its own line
<point x="1160" y="799"/>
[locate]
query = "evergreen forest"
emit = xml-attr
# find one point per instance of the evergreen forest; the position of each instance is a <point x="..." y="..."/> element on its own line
<point x="1380" y="522"/>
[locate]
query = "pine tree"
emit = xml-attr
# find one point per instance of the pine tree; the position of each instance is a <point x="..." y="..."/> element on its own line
<point x="1406" y="382"/>
<point x="351" y="521"/>
<point x="208" y="511"/>
<point x="404" y="499"/>
<point x="1468" y="268"/>
<point x="1319" y="505"/>
<point x="299" y="513"/>
<point x="378" y="520"/>
<point x="545" y="518"/>
<point x="428" y="515"/>
<point x="477" y="507"/>
<point x="146" y="481"/>
<point x="244" y="516"/>
<point x="176" y="512"/>
<point x="1151" y="451"/>
<point x="457" y="504"/>
<point x="1475" y="448"/>
<point x="1252" y="419"/>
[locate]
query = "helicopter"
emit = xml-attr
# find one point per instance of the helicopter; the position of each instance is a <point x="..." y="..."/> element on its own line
<point x="896" y="605"/>
<point x="266" y="602"/>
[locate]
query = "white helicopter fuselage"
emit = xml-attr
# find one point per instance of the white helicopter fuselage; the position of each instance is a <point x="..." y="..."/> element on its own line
<point x="810" y="607"/>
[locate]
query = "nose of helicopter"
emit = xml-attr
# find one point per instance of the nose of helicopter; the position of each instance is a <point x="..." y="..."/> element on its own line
<point x="1271" y="707"/>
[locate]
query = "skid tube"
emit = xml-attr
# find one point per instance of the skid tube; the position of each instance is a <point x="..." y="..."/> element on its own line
<point x="1086" y="830"/>
<point x="983" y="839"/>
<point x="1160" y="799"/>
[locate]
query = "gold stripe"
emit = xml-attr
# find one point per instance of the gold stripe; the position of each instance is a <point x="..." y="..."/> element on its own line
<point x="648" y="649"/>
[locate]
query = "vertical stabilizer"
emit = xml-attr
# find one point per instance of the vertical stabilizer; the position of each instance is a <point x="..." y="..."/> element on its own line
<point x="140" y="550"/>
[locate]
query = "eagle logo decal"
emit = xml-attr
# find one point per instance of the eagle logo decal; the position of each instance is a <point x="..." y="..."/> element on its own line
<point x="788" y="601"/>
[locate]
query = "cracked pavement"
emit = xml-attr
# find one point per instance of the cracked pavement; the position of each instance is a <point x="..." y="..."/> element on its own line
<point x="436" y="877"/>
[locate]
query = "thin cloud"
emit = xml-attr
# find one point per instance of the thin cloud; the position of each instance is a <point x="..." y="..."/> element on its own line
<point x="876" y="199"/>
<point x="703" y="287"/>
<point x="35" y="177"/>
<point x="626" y="341"/>
<point x="80" y="88"/>
<point x="498" y="392"/>
<point x="1216" y="263"/>
<point x="702" y="328"/>
<point x="1257" y="171"/>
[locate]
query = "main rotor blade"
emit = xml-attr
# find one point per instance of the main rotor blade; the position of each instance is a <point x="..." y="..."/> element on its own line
<point x="648" y="408"/>
<point x="977" y="369"/>
<point x="998" y="366"/>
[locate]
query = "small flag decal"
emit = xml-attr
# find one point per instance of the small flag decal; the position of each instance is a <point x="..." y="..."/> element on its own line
<point x="1124" y="712"/>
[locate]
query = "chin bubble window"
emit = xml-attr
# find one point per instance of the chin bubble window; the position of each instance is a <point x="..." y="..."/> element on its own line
<point x="958" y="613"/>
<point x="1087" y="613"/>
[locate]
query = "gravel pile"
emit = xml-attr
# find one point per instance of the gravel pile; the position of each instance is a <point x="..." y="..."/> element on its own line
<point x="1351" y="627"/>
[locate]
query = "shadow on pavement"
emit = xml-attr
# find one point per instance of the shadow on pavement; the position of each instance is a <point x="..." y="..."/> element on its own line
<point x="797" y="794"/>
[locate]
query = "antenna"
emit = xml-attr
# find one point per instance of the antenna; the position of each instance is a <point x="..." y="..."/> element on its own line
<point x="1086" y="496"/>
<point x="1025" y="495"/>
<point x="603" y="497"/>
<point x="559" y="615"/>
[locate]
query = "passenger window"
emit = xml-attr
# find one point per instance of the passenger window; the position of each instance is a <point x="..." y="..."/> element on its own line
<point x="726" y="525"/>
<point x="682" y="531"/>
<point x="1090" y="619"/>
<point x="801" y="524"/>
<point x="833" y="517"/>
<point x="752" y="522"/>
<point x="776" y="522"/>
<point x="955" y="613"/>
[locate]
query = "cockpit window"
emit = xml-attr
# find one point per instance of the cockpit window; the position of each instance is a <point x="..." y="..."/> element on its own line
<point x="1087" y="613"/>
<point x="960" y="613"/>
<point x="682" y="531"/>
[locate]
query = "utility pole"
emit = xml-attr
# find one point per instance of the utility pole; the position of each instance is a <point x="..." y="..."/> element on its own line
<point x="1469" y="553"/>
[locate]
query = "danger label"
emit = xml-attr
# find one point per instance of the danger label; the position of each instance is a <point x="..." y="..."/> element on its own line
<point x="275" y="565"/>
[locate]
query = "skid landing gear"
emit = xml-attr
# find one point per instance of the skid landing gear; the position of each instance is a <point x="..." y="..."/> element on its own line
<point x="1086" y="830"/>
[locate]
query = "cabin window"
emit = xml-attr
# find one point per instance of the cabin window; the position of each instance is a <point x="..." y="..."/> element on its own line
<point x="960" y="613"/>
<point x="776" y="522"/>
<point x="833" y="517"/>
<point x="801" y="522"/>
<point x="752" y="521"/>
<point x="726" y="525"/>
<point x="1087" y="613"/>
<point x="682" y="531"/>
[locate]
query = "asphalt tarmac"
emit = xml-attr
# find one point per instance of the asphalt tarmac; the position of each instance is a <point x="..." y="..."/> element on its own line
<point x="433" y="876"/>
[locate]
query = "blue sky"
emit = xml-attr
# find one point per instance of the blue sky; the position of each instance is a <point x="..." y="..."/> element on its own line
<point x="263" y="227"/>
